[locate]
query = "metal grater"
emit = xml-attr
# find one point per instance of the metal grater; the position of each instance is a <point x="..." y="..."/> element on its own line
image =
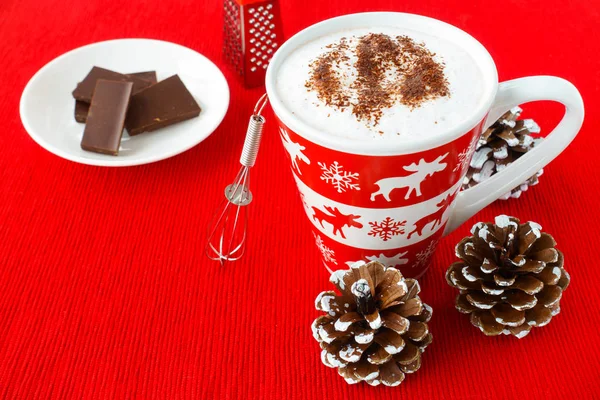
<point x="252" y="35"/>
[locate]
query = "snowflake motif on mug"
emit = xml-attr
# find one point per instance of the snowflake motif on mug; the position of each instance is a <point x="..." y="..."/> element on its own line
<point x="423" y="257"/>
<point x="464" y="157"/>
<point x="326" y="252"/>
<point x="340" y="179"/>
<point x="387" y="228"/>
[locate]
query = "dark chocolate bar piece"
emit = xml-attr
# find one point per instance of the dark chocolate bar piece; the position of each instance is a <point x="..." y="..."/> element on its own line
<point x="106" y="118"/>
<point x="149" y="76"/>
<point x="85" y="88"/>
<point x="160" y="105"/>
<point x="82" y="108"/>
<point x="81" y="111"/>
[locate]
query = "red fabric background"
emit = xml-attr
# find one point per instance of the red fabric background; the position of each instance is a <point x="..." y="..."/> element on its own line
<point x="104" y="288"/>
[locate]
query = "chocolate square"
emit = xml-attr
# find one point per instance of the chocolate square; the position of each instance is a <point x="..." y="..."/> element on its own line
<point x="106" y="118"/>
<point x="85" y="88"/>
<point x="82" y="108"/>
<point x="160" y="105"/>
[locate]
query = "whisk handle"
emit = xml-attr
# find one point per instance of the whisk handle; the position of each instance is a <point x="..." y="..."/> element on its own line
<point x="252" y="141"/>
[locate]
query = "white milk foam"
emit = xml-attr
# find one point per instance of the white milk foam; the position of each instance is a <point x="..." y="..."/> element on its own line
<point x="399" y="123"/>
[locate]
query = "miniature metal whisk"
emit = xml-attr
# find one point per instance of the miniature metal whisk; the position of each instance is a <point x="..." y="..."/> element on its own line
<point x="227" y="240"/>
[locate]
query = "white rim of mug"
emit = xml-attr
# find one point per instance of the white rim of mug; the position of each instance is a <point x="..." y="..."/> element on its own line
<point x="363" y="20"/>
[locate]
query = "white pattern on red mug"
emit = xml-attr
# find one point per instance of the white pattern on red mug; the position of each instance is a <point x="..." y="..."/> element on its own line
<point x="392" y="202"/>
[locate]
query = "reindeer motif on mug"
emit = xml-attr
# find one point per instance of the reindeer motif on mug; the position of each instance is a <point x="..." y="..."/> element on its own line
<point x="394" y="261"/>
<point x="294" y="150"/>
<point x="420" y="172"/>
<point x="435" y="217"/>
<point x="336" y="219"/>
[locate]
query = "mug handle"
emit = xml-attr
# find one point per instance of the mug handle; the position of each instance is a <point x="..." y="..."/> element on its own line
<point x="510" y="94"/>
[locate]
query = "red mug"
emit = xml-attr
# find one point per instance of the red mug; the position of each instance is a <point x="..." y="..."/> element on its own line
<point x="393" y="202"/>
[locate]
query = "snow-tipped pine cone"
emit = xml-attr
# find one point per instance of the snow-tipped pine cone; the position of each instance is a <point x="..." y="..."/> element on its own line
<point x="375" y="329"/>
<point x="501" y="144"/>
<point x="511" y="277"/>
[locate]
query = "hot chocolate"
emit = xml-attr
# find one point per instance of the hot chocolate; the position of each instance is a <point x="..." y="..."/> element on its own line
<point x="383" y="83"/>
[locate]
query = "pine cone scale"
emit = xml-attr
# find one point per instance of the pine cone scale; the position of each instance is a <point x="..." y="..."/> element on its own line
<point x="539" y="316"/>
<point x="346" y="320"/>
<point x="463" y="305"/>
<point x="425" y="342"/>
<point x="390" y="374"/>
<point x="505" y="314"/>
<point x="564" y="280"/>
<point x="364" y="370"/>
<point x="461" y="251"/>
<point x="392" y="293"/>
<point x="455" y="278"/>
<point x="486" y="322"/>
<point x="532" y="265"/>
<point x="520" y="331"/>
<point x="411" y="367"/>
<point x="378" y="356"/>
<point x="331" y="359"/>
<point x="390" y="341"/>
<point x="529" y="284"/>
<point x="417" y="331"/>
<point x="545" y="241"/>
<point x="374" y="320"/>
<point x="352" y="352"/>
<point x="473" y="274"/>
<point x="520" y="300"/>
<point x="509" y="137"/>
<point x="378" y="276"/>
<point x="395" y="322"/>
<point x="506" y="280"/>
<point x="424" y="316"/>
<point x="550" y="275"/>
<point x="483" y="301"/>
<point x="412" y="288"/>
<point x="488" y="266"/>
<point x="489" y="287"/>
<point x="409" y="308"/>
<point x="391" y="277"/>
<point x="363" y="336"/>
<point x="550" y="295"/>
<point x="546" y="256"/>
<point x="328" y="333"/>
<point x="329" y="303"/>
<point x="408" y="355"/>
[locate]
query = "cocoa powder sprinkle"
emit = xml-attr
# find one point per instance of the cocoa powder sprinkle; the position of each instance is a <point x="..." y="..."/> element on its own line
<point x="388" y="71"/>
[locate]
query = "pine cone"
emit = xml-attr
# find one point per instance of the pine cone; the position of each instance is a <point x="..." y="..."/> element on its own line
<point x="376" y="329"/>
<point x="511" y="277"/>
<point x="501" y="144"/>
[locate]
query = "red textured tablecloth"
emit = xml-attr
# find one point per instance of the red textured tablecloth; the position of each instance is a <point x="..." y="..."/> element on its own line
<point x="104" y="288"/>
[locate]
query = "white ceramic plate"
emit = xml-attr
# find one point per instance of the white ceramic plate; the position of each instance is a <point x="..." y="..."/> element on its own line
<point x="47" y="105"/>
